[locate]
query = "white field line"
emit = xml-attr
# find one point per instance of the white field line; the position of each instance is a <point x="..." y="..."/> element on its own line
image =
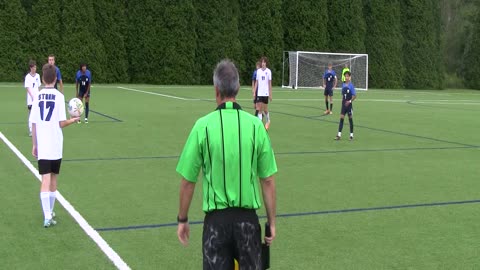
<point x="440" y="102"/>
<point x="102" y="244"/>
<point x="152" y="93"/>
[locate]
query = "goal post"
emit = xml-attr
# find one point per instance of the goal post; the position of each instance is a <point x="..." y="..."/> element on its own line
<point x="303" y="69"/>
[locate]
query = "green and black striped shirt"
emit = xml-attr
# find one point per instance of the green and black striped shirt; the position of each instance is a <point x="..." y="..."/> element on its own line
<point x="233" y="150"/>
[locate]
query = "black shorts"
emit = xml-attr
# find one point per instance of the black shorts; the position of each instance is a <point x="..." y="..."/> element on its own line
<point x="261" y="99"/>
<point x="232" y="233"/>
<point x="82" y="93"/>
<point x="49" y="166"/>
<point x="347" y="110"/>
<point x="328" y="92"/>
<point x="29" y="107"/>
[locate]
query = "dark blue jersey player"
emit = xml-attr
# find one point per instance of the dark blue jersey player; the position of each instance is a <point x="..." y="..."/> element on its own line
<point x="329" y="82"/>
<point x="348" y="96"/>
<point x="82" y="87"/>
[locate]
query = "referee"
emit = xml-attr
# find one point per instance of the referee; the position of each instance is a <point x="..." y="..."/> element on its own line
<point x="233" y="151"/>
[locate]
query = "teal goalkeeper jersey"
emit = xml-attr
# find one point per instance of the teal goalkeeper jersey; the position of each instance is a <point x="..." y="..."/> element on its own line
<point x="233" y="150"/>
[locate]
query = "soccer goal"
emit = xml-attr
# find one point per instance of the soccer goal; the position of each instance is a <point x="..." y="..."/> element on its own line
<point x="305" y="69"/>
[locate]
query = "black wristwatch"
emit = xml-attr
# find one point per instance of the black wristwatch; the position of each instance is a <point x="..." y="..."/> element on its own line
<point x="182" y="220"/>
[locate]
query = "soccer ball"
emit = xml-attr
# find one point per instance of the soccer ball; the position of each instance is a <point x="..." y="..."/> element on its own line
<point x="75" y="107"/>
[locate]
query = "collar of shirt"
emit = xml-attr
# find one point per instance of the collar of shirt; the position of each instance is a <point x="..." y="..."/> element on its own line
<point x="229" y="105"/>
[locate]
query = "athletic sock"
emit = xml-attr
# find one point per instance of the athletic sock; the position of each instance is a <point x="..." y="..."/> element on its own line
<point x="331" y="106"/>
<point x="86" y="110"/>
<point x="30" y="126"/>
<point x="260" y="116"/>
<point x="52" y="200"/>
<point x="326" y="104"/>
<point x="340" y="126"/>
<point x="268" y="116"/>
<point x="351" y="124"/>
<point x="45" y="199"/>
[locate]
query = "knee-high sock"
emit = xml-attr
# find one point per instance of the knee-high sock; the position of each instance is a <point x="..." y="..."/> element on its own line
<point x="45" y="199"/>
<point x="331" y="106"/>
<point x="326" y="104"/>
<point x="86" y="109"/>
<point x="52" y="200"/>
<point x="351" y="124"/>
<point x="340" y="125"/>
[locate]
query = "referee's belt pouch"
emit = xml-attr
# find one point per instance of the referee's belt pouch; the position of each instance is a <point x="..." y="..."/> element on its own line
<point x="265" y="256"/>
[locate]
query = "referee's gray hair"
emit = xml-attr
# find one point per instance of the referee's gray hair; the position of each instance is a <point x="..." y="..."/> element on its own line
<point x="226" y="79"/>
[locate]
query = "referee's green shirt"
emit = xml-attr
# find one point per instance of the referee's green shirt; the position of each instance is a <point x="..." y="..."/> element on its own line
<point x="233" y="149"/>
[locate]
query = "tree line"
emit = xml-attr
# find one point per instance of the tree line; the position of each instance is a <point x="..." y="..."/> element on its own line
<point x="179" y="42"/>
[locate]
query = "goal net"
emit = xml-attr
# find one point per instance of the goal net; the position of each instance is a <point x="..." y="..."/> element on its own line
<point x="305" y="69"/>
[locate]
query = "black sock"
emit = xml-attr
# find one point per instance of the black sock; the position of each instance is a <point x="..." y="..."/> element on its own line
<point x="256" y="112"/>
<point x="340" y="126"/>
<point x="351" y="124"/>
<point x="331" y="106"/>
<point x="326" y="104"/>
<point x="86" y="109"/>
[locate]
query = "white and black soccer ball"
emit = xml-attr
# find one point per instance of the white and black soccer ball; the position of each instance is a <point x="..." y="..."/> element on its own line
<point x="75" y="107"/>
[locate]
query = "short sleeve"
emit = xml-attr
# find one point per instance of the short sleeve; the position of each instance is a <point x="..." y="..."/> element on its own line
<point x="59" y="75"/>
<point x="190" y="160"/>
<point x="266" y="163"/>
<point x="34" y="112"/>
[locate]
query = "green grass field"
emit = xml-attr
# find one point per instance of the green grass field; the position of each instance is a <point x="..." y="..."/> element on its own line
<point x="403" y="195"/>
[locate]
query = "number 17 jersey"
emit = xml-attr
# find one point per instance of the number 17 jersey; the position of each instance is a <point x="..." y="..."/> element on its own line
<point x="48" y="110"/>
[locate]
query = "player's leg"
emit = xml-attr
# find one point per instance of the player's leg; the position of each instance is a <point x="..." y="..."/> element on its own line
<point x="259" y="105"/>
<point x="350" y="120"/>
<point x="331" y="101"/>
<point x="53" y="183"/>
<point x="87" y="107"/>
<point x="217" y="241"/>
<point x="340" y="125"/>
<point x="29" y="107"/>
<point x="267" y="114"/>
<point x="44" y="167"/>
<point x="325" y="93"/>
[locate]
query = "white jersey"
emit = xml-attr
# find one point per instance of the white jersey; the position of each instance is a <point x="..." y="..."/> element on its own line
<point x="32" y="82"/>
<point x="263" y="82"/>
<point x="48" y="109"/>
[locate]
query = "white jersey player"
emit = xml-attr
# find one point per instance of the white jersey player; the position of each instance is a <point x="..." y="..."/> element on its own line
<point x="32" y="84"/>
<point x="48" y="117"/>
<point x="264" y="91"/>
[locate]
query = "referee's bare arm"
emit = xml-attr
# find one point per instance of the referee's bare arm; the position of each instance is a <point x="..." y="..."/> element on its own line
<point x="269" y="198"/>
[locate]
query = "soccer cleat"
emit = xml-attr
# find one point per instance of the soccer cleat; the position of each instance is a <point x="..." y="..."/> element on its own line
<point x="49" y="222"/>
<point x="337" y="138"/>
<point x="30" y="134"/>
<point x="327" y="112"/>
<point x="79" y="122"/>
<point x="330" y="112"/>
<point x="53" y="215"/>
<point x="86" y="121"/>
<point x="351" y="138"/>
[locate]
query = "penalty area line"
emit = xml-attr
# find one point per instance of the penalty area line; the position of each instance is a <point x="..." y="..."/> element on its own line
<point x="152" y="93"/>
<point x="89" y="230"/>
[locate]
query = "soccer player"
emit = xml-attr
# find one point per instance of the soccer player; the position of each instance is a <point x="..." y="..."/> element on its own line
<point x="232" y="150"/>
<point x="348" y="96"/>
<point x="264" y="95"/>
<point x="32" y="83"/>
<point x="329" y="82"/>
<point x="51" y="61"/>
<point x="48" y="117"/>
<point x="83" y="80"/>
<point x="254" y="88"/>
<point x="345" y="69"/>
